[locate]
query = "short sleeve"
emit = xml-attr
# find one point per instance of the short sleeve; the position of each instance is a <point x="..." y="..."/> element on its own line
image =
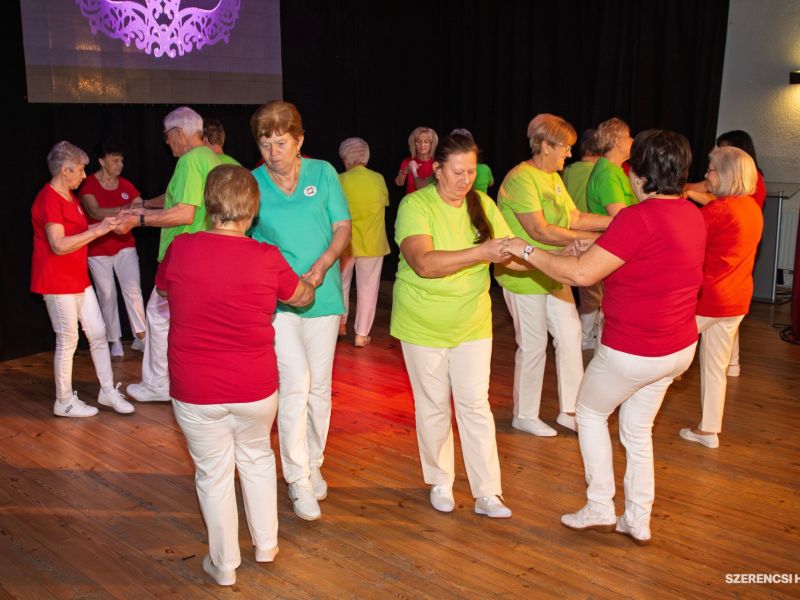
<point x="337" y="207"/>
<point x="500" y="228"/>
<point x="51" y="210"/>
<point x="162" y="273"/>
<point x="569" y="203"/>
<point x="625" y="235"/>
<point x="287" y="278"/>
<point x="521" y="194"/>
<point x="610" y="190"/>
<point x="188" y="182"/>
<point x="384" y="190"/>
<point x="133" y="193"/>
<point x="411" y="220"/>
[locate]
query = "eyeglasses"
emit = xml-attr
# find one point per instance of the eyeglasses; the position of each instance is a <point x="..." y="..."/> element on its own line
<point x="168" y="131"/>
<point x="567" y="147"/>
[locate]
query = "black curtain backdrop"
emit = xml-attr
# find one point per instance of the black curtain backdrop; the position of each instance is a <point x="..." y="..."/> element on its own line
<point x="379" y="69"/>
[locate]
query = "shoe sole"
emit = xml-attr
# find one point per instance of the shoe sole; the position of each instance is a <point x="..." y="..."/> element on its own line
<point x="442" y="509"/>
<point x="601" y="528"/>
<point x="119" y="412"/>
<point x="75" y="416"/>
<point x="486" y="514"/>
<point x="321" y="497"/>
<point x="308" y="517"/>
<point x="551" y="433"/>
<point x="696" y="441"/>
<point x="273" y="552"/>
<point x="636" y="541"/>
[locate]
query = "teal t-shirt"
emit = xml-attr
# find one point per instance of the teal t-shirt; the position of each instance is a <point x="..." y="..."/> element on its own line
<point x="300" y="226"/>
<point x="576" y="178"/>
<point x="607" y="184"/>
<point x="187" y="186"/>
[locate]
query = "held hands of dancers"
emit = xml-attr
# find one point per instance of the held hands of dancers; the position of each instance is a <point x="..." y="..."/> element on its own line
<point x="577" y="247"/>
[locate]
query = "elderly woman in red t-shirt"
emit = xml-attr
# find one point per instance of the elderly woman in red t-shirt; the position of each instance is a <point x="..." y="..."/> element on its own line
<point x="734" y="223"/>
<point x="222" y="288"/>
<point x="651" y="263"/>
<point x="104" y="193"/>
<point x="60" y="273"/>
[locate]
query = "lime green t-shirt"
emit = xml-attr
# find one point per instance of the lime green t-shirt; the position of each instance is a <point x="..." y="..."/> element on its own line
<point x="575" y="177"/>
<point x="228" y="160"/>
<point x="187" y="186"/>
<point x="527" y="189"/>
<point x="367" y="198"/>
<point x="442" y="312"/>
<point x="608" y="184"/>
<point x="483" y="178"/>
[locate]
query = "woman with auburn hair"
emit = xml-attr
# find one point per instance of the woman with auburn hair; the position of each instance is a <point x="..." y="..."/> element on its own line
<point x="734" y="223"/>
<point x="539" y="210"/>
<point x="448" y="235"/>
<point x="304" y="213"/>
<point x="418" y="166"/>
<point x="653" y="251"/>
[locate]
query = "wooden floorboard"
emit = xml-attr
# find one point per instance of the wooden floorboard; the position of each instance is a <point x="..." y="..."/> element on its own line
<point x="105" y="507"/>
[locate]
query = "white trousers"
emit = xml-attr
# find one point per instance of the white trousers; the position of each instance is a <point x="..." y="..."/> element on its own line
<point x="65" y="311"/>
<point x="637" y="384"/>
<point x="155" y="369"/>
<point x="222" y="437"/>
<point x="717" y="337"/>
<point x="305" y="349"/>
<point x="125" y="264"/>
<point x="590" y="298"/>
<point x="735" y="351"/>
<point x="435" y="373"/>
<point x="534" y="315"/>
<point x="368" y="280"/>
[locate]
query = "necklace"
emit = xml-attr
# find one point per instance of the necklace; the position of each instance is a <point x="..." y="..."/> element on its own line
<point x="65" y="195"/>
<point x="286" y="183"/>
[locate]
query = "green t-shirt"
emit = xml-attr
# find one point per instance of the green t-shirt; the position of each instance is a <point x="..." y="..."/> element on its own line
<point x="300" y="226"/>
<point x="224" y="159"/>
<point x="527" y="189"/>
<point x="187" y="186"/>
<point x="575" y="177"/>
<point x="608" y="184"/>
<point x="483" y="178"/>
<point x="442" y="312"/>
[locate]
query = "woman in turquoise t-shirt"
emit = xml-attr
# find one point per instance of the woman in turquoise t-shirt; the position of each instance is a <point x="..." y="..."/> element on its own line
<point x="304" y="213"/>
<point x="448" y="234"/>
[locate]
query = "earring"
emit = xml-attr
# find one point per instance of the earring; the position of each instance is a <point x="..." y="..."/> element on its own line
<point x="299" y="155"/>
<point x="546" y="152"/>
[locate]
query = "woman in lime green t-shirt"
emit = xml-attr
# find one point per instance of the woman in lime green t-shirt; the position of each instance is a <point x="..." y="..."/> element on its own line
<point x="448" y="234"/>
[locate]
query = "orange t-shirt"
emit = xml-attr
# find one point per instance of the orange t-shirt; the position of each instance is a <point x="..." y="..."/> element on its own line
<point x="734" y="225"/>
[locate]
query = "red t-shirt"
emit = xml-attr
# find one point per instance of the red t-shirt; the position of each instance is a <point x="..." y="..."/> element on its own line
<point x="110" y="243"/>
<point x="51" y="273"/>
<point x="222" y="293"/>
<point x="760" y="195"/>
<point x="424" y="170"/>
<point x="734" y="227"/>
<point x="649" y="302"/>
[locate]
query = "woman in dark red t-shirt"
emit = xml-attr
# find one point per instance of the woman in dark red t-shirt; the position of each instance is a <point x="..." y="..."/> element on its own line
<point x="418" y="166"/>
<point x="222" y="288"/>
<point x="734" y="223"/>
<point x="59" y="272"/>
<point x="104" y="193"/>
<point x="651" y="263"/>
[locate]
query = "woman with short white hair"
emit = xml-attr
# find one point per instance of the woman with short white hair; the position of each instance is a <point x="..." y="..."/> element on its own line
<point x="367" y="198"/>
<point x="60" y="272"/>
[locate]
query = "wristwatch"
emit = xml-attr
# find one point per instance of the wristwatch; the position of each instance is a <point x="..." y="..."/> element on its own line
<point x="527" y="252"/>
<point x="141" y="220"/>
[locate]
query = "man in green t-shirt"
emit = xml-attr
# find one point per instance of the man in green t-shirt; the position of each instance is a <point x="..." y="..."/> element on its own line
<point x="214" y="138"/>
<point x="181" y="210"/>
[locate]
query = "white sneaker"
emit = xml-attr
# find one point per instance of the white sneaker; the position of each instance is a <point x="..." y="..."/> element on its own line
<point x="567" y="421"/>
<point x="141" y="392"/>
<point x="640" y="535"/>
<point x="218" y="575"/>
<point x="137" y="345"/>
<point x="533" y="426"/>
<point x="266" y="554"/>
<point x="74" y="407"/>
<point x="442" y="498"/>
<point x="116" y="349"/>
<point x="318" y="484"/>
<point x="586" y="518"/>
<point x="492" y="506"/>
<point x="115" y="400"/>
<point x="710" y="440"/>
<point x="303" y="501"/>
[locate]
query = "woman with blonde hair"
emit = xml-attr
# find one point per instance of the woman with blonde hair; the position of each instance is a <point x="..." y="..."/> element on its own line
<point x="539" y="210"/>
<point x="418" y="166"/>
<point x="734" y="223"/>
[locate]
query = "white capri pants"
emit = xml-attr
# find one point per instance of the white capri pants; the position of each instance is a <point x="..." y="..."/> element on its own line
<point x="368" y="281"/>
<point x="221" y="438"/>
<point x="305" y="349"/>
<point x="464" y="370"/>
<point x="534" y="315"/>
<point x="125" y="264"/>
<point x="65" y="311"/>
<point x="717" y="335"/>
<point x="637" y="384"/>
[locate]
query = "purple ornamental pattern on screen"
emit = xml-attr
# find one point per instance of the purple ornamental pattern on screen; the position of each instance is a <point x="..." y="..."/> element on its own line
<point x="161" y="27"/>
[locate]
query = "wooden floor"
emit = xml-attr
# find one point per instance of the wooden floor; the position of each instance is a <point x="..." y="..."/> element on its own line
<point x="105" y="507"/>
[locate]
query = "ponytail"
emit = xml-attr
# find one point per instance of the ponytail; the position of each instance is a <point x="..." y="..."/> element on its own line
<point x="483" y="229"/>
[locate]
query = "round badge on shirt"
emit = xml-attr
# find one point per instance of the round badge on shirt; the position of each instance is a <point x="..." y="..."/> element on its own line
<point x="124" y="195"/>
<point x="311" y="190"/>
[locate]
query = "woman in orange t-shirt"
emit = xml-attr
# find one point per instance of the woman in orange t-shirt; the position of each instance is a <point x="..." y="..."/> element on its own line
<point x="734" y="223"/>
